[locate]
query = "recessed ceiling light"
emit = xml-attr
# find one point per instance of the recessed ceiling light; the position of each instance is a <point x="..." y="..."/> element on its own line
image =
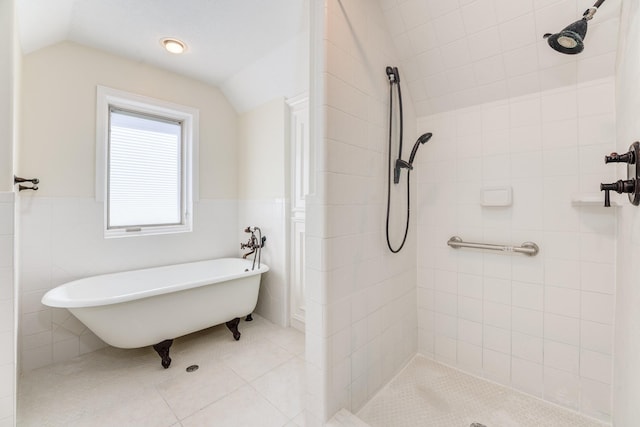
<point x="174" y="45"/>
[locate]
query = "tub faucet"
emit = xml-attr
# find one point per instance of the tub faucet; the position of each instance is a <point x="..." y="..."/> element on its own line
<point x="255" y="244"/>
<point x="247" y="254"/>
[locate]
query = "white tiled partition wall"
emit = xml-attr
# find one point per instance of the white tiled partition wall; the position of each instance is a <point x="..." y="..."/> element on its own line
<point x="626" y="391"/>
<point x="7" y="323"/>
<point x="542" y="324"/>
<point x="361" y="312"/>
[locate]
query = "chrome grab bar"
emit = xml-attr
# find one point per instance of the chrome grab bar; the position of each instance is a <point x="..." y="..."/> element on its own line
<point x="527" y="248"/>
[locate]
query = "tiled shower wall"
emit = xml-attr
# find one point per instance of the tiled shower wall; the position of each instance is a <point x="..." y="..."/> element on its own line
<point x="539" y="324"/>
<point x="627" y="336"/>
<point x="361" y="313"/>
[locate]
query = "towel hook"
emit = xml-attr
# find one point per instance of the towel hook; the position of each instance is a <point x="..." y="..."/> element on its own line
<point x="34" y="181"/>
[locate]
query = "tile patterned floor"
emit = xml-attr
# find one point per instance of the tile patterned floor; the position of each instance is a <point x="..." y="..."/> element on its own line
<point x="427" y="393"/>
<point x="257" y="381"/>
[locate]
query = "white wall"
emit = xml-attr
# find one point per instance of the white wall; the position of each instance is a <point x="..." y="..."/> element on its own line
<point x="59" y="96"/>
<point x="8" y="93"/>
<point x="626" y="392"/>
<point x="7" y="303"/>
<point x="61" y="224"/>
<point x="262" y="164"/>
<point x="361" y="312"/>
<point x="262" y="188"/>
<point x="543" y="324"/>
<point x="283" y="71"/>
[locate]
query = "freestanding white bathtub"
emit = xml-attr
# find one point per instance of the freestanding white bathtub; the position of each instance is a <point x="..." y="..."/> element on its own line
<point x="155" y="305"/>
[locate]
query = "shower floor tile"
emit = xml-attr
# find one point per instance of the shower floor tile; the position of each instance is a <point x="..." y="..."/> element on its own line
<point x="237" y="383"/>
<point x="427" y="393"/>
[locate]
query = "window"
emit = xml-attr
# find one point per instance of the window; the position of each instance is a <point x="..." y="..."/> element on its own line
<point x="145" y="157"/>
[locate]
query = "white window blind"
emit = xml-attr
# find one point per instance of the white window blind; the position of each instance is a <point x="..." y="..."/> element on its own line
<point x="144" y="170"/>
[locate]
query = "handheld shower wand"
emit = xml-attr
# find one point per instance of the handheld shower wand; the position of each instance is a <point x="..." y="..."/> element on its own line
<point x="402" y="164"/>
<point x="421" y="140"/>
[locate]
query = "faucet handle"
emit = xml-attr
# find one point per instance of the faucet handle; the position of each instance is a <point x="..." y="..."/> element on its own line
<point x="620" y="186"/>
<point x="607" y="188"/>
<point x="607" y="197"/>
<point x="628" y="157"/>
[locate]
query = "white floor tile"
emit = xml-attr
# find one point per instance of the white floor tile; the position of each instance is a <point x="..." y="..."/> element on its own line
<point x="148" y="409"/>
<point x="289" y="339"/>
<point x="189" y="392"/>
<point x="116" y="387"/>
<point x="242" y="408"/>
<point x="257" y="359"/>
<point x="299" y="420"/>
<point x="283" y="386"/>
<point x="345" y="418"/>
<point x="257" y="381"/>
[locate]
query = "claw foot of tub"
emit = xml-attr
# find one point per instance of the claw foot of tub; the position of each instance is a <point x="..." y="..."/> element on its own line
<point x="162" y="349"/>
<point x="248" y="318"/>
<point x="233" y="327"/>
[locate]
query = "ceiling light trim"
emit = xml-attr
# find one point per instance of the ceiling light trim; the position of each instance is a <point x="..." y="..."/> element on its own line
<point x="173" y="45"/>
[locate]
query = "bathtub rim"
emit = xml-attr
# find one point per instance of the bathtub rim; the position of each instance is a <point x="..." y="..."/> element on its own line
<point x="58" y="297"/>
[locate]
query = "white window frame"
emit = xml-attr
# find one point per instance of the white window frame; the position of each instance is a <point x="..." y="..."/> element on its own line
<point x="107" y="98"/>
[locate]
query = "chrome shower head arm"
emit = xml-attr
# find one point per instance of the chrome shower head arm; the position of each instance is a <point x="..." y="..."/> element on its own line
<point x="588" y="14"/>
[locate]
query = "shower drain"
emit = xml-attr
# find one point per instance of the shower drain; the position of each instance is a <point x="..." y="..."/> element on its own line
<point x="192" y="368"/>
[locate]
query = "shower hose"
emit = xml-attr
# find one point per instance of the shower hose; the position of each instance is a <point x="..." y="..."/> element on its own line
<point x="406" y="229"/>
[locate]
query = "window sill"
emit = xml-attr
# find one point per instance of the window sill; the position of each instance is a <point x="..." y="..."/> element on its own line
<point x="146" y="231"/>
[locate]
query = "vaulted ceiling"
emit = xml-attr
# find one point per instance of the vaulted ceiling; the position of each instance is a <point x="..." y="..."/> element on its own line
<point x="458" y="53"/>
<point x="453" y="53"/>
<point x="223" y="36"/>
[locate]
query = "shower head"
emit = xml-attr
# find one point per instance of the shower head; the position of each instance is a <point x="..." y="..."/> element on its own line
<point x="571" y="39"/>
<point x="421" y="140"/>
